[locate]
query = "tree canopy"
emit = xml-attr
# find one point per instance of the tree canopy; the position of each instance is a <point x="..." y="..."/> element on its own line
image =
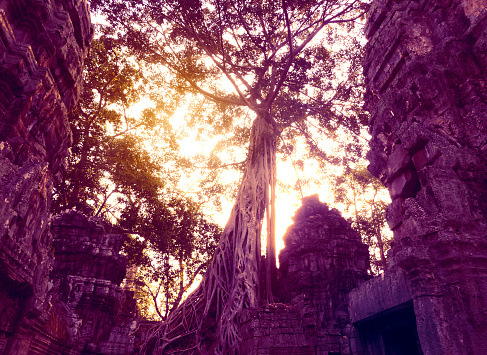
<point x="102" y="146"/>
<point x="259" y="55"/>
<point x="364" y="197"/>
<point x="111" y="174"/>
<point x="276" y="62"/>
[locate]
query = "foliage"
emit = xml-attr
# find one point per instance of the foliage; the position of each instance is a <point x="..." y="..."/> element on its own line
<point x="106" y="159"/>
<point x="366" y="198"/>
<point x="177" y="248"/>
<point x="111" y="174"/>
<point x="266" y="57"/>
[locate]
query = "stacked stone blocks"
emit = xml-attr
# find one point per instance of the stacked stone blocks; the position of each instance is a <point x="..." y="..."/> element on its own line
<point x="42" y="48"/>
<point x="88" y="271"/>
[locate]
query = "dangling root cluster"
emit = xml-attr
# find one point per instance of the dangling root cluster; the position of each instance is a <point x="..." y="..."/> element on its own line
<point x="207" y="322"/>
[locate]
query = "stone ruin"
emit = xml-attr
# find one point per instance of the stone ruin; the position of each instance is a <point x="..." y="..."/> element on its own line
<point x="426" y="74"/>
<point x="425" y="69"/>
<point x="43" y="44"/>
<point x="59" y="291"/>
<point x="323" y="260"/>
<point x="99" y="317"/>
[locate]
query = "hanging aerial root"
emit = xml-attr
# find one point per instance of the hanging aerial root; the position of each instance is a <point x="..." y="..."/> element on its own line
<point x="208" y="320"/>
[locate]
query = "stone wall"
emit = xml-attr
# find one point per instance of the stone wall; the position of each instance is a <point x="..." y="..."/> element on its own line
<point x="43" y="44"/>
<point x="425" y="70"/>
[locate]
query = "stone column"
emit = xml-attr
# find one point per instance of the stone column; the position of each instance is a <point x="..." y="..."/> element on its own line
<point x="426" y="71"/>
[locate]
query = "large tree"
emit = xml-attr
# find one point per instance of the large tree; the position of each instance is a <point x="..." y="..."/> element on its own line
<point x="106" y="158"/>
<point x="277" y="59"/>
<point x="171" y="250"/>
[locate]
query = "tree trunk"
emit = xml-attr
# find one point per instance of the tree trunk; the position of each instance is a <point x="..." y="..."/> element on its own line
<point x="271" y="264"/>
<point x="208" y="320"/>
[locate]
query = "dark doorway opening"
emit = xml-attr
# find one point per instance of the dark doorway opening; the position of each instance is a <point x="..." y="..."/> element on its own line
<point x="392" y="332"/>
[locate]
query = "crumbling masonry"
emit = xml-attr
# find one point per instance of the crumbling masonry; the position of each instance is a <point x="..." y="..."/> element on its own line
<point x="85" y="294"/>
<point x="324" y="259"/>
<point x="426" y="71"/>
<point x="43" y="44"/>
<point x="80" y="307"/>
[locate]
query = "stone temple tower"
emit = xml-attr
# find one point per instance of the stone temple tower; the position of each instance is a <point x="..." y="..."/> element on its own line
<point x="323" y="260"/>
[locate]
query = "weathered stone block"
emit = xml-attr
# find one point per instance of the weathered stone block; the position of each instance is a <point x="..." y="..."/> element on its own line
<point x="395" y="213"/>
<point x="384" y="292"/>
<point x="425" y="156"/>
<point x="405" y="185"/>
<point x="446" y="191"/>
<point x="100" y="316"/>
<point x="306" y="350"/>
<point x="398" y="161"/>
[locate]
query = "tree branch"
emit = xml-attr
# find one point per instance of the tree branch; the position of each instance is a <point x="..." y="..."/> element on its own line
<point x="284" y="73"/>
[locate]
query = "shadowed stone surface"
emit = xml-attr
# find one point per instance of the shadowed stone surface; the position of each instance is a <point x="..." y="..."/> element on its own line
<point x="87" y="312"/>
<point x="425" y="70"/>
<point x="42" y="48"/>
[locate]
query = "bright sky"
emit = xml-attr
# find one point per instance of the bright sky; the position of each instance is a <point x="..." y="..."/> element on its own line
<point x="287" y="202"/>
